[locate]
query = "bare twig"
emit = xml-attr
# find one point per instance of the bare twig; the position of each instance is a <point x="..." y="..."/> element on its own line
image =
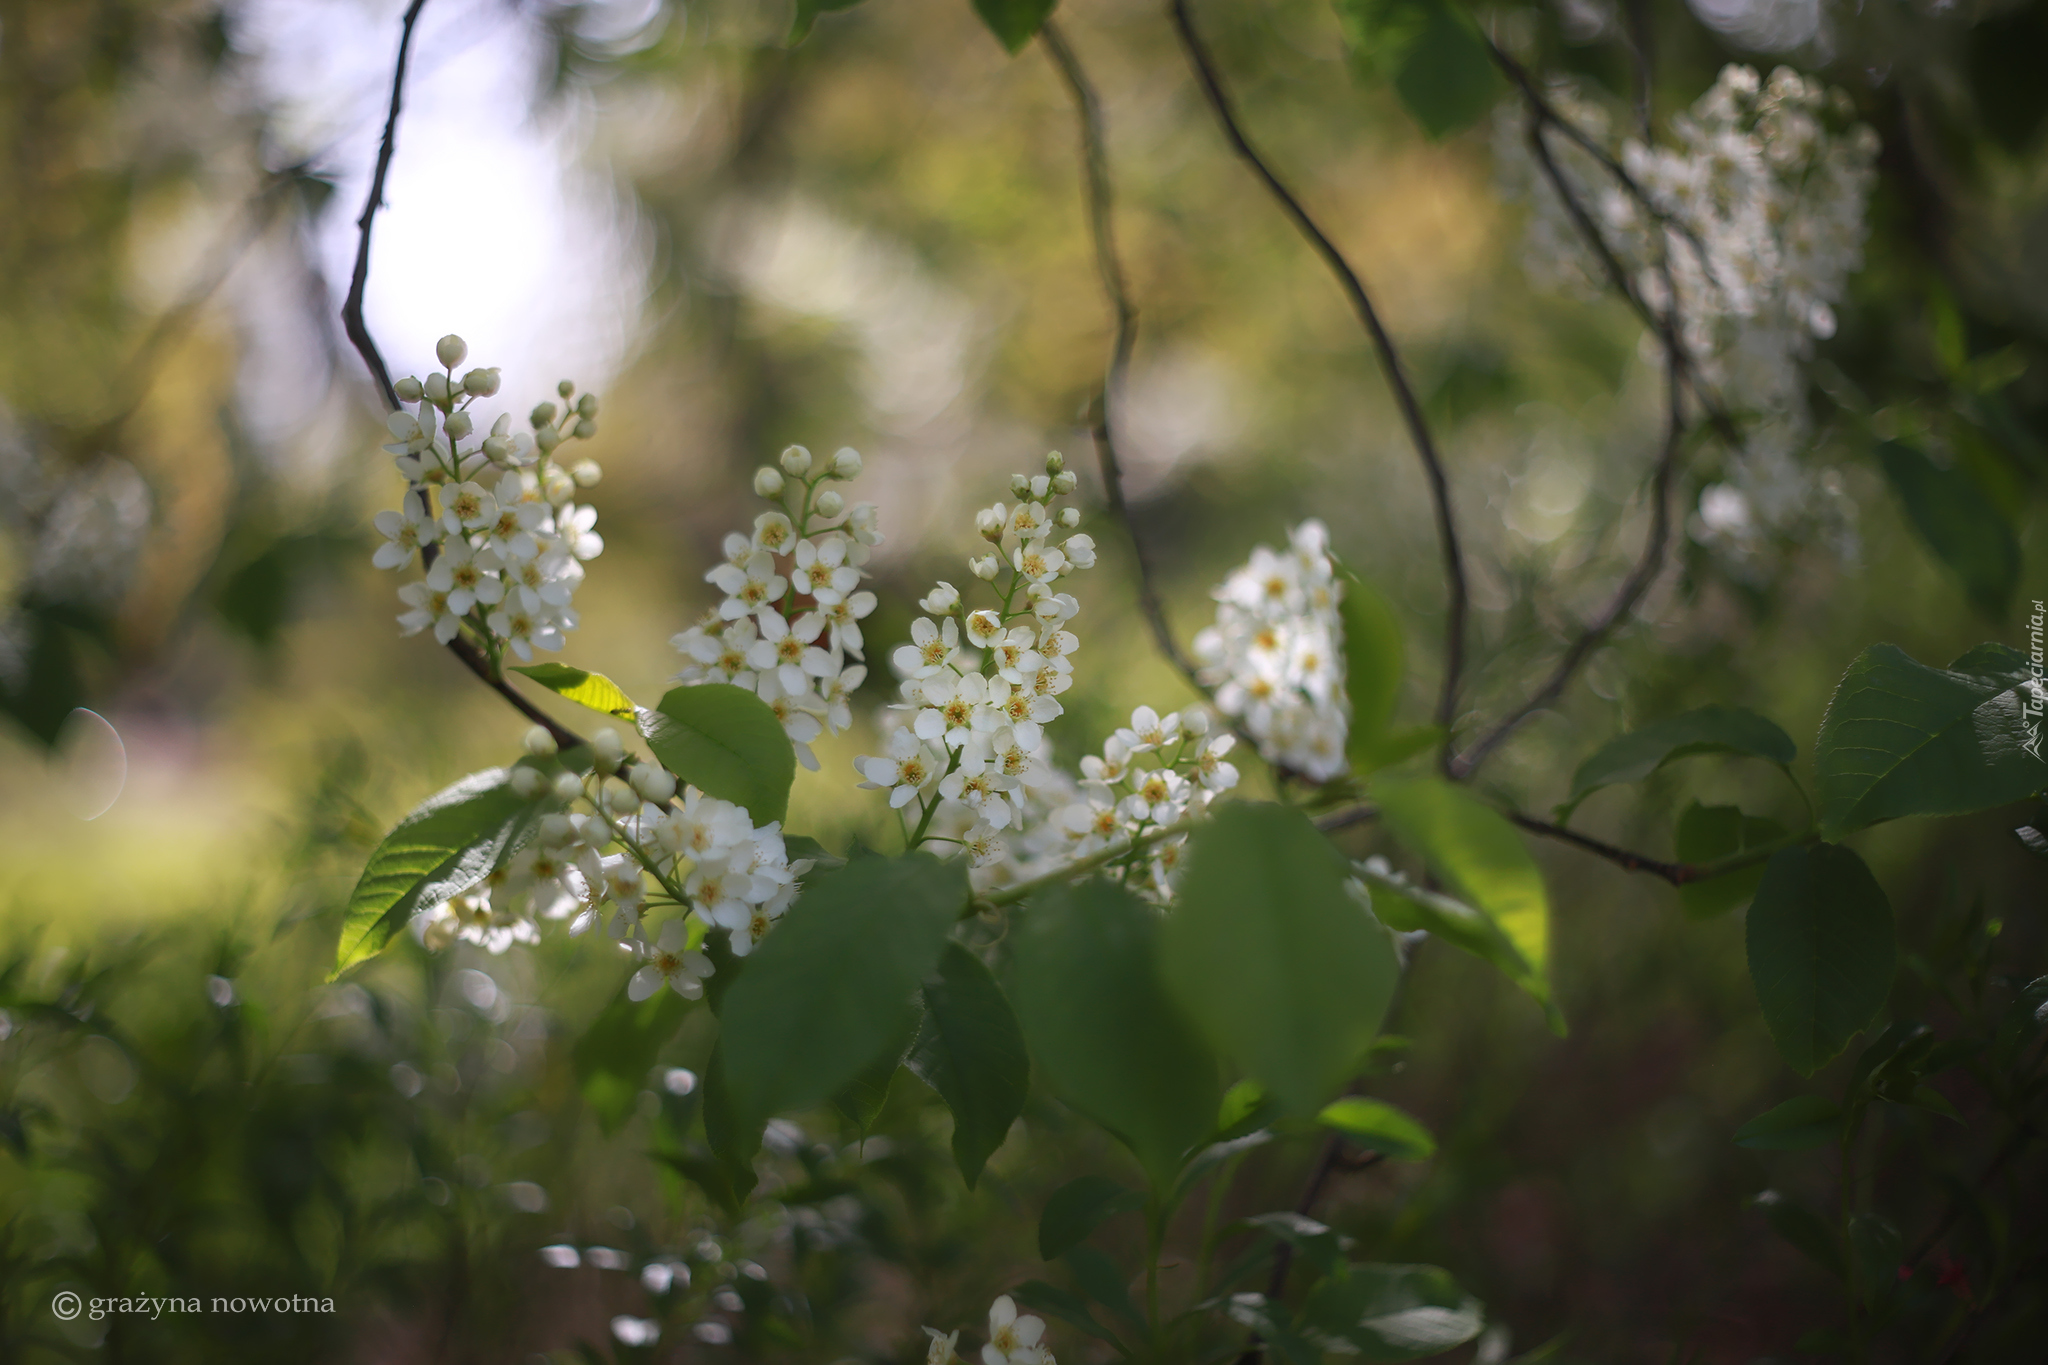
<point x="1283" y="1252"/>
<point x="1383" y="345"/>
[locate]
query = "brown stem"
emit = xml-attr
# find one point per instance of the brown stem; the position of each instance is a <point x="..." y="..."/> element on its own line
<point x="1383" y="345"/>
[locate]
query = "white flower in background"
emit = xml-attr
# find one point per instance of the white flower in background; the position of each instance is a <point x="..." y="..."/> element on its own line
<point x="909" y="768"/>
<point x="1012" y="1337"/>
<point x="1275" y="654"/>
<point x="669" y="963"/>
<point x="1761" y="198"/>
<point x="944" y="1349"/>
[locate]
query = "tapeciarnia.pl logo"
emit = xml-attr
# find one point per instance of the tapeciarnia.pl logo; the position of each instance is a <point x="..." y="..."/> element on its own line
<point x="2031" y="705"/>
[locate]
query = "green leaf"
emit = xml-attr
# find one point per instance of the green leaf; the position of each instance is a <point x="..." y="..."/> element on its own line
<point x="971" y="1050"/>
<point x="1878" y="1249"/>
<point x="1275" y="1326"/>
<point x="1405" y="908"/>
<point x="1394" y="1312"/>
<point x="807" y="12"/>
<point x="1374" y="661"/>
<point x="725" y="741"/>
<point x="450" y="843"/>
<point x="1479" y="855"/>
<point x="612" y="1058"/>
<point x="1431" y="52"/>
<point x="1379" y="1127"/>
<point x="860" y="1101"/>
<point x="830" y="990"/>
<point x="1368" y="755"/>
<point x="1282" y="967"/>
<point x="1709" y="730"/>
<point x="1085" y="984"/>
<point x="1900" y="738"/>
<point x="1959" y="523"/>
<point x="1101" y="1281"/>
<point x="1079" y="1207"/>
<point x="1804" y="1229"/>
<point x="593" y="690"/>
<point x="1241" y="1103"/>
<point x="1323" y="1248"/>
<point x="1821" y="953"/>
<point x="1707" y="834"/>
<point x="1014" y="22"/>
<point x="1799" y="1124"/>
<point x="734" y="1139"/>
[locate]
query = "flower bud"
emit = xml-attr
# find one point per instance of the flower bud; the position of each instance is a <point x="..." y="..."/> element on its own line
<point x="547" y="438"/>
<point x="437" y="388"/>
<point x="796" y="462"/>
<point x="481" y="383"/>
<point x="458" y="425"/>
<point x="989" y="521"/>
<point x="940" y="600"/>
<point x="1194" y="721"/>
<point x="451" y="350"/>
<point x="556" y="485"/>
<point x="586" y="473"/>
<point x="568" y="786"/>
<point x="528" y="782"/>
<point x="829" y="504"/>
<point x="983" y="568"/>
<point x="768" y="481"/>
<point x="619" y="798"/>
<point x="1020" y="485"/>
<point x="655" y="784"/>
<point x="1055" y="462"/>
<point x="608" y="748"/>
<point x="1070" y="517"/>
<point x="540" y="741"/>
<point x="846" y="464"/>
<point x="565" y="388"/>
<point x="1040" y="486"/>
<point x="543" y="415"/>
<point x="1064" y="481"/>
<point x="498" y="447"/>
<point x="408" y="390"/>
<point x="586" y="406"/>
<point x="585" y="429"/>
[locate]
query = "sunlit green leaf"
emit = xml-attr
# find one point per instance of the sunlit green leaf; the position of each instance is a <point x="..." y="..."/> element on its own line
<point x="593" y="690"/>
<point x="1405" y="907"/>
<point x="1379" y="1127"/>
<point x="1374" y="660"/>
<point x="725" y="741"/>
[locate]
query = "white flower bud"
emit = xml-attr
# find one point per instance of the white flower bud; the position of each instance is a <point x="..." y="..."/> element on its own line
<point x="586" y="473"/>
<point x="768" y="481"/>
<point x="608" y="748"/>
<point x="556" y="485"/>
<point x="1194" y="721"/>
<point x="498" y="447"/>
<point x="481" y="383"/>
<point x="568" y="786"/>
<point x="543" y="414"/>
<point x="655" y="784"/>
<point x="1040" y="486"/>
<point x="528" y="782"/>
<point x="547" y="438"/>
<point x="458" y="425"/>
<point x="556" y="829"/>
<point x="585" y="429"/>
<point x="1020" y="485"/>
<point x="451" y="350"/>
<point x="1054" y="462"/>
<point x="619" y="798"/>
<point x="1070" y="517"/>
<point x="565" y="388"/>
<point x="829" y="504"/>
<point x="540" y="742"/>
<point x="940" y="600"/>
<point x="983" y="568"/>
<point x="586" y="406"/>
<point x="437" y="388"/>
<point x="846" y="464"/>
<point x="1063" y="482"/>
<point x="990" y="521"/>
<point x="796" y="462"/>
<point x="408" y="390"/>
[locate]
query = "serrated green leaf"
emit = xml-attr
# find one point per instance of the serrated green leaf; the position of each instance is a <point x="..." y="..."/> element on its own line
<point x="725" y="741"/>
<point x="1379" y="1127"/>
<point x="1405" y="908"/>
<point x="1282" y="967"/>
<point x="446" y="846"/>
<point x="1821" y="952"/>
<point x="1394" y="1312"/>
<point x="1085" y="984"/>
<point x="1014" y="22"/>
<point x="593" y="690"/>
<point x="1477" y="853"/>
<point x="1958" y="522"/>
<point x="971" y="1050"/>
<point x="1900" y="738"/>
<point x="1079" y="1207"/>
<point x="1706" y="834"/>
<point x="831" y="989"/>
<point x="1709" y="730"/>
<point x="612" y="1058"/>
<point x="1799" y="1124"/>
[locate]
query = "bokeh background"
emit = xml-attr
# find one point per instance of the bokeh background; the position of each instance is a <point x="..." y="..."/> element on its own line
<point x="876" y="239"/>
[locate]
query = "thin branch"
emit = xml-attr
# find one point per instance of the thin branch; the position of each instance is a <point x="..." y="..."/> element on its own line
<point x="1102" y="226"/>
<point x="1283" y="1251"/>
<point x="359" y="279"/>
<point x="1383" y="344"/>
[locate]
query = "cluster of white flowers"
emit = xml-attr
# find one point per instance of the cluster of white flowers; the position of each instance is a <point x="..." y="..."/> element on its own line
<point x="497" y="524"/>
<point x="1760" y="217"/>
<point x="617" y="828"/>
<point x="1276" y="654"/>
<point x="793" y="603"/>
<point x="1013" y="1339"/>
<point x="979" y="685"/>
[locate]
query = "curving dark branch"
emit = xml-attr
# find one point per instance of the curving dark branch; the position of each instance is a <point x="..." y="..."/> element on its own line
<point x="366" y="346"/>
<point x="1383" y="345"/>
